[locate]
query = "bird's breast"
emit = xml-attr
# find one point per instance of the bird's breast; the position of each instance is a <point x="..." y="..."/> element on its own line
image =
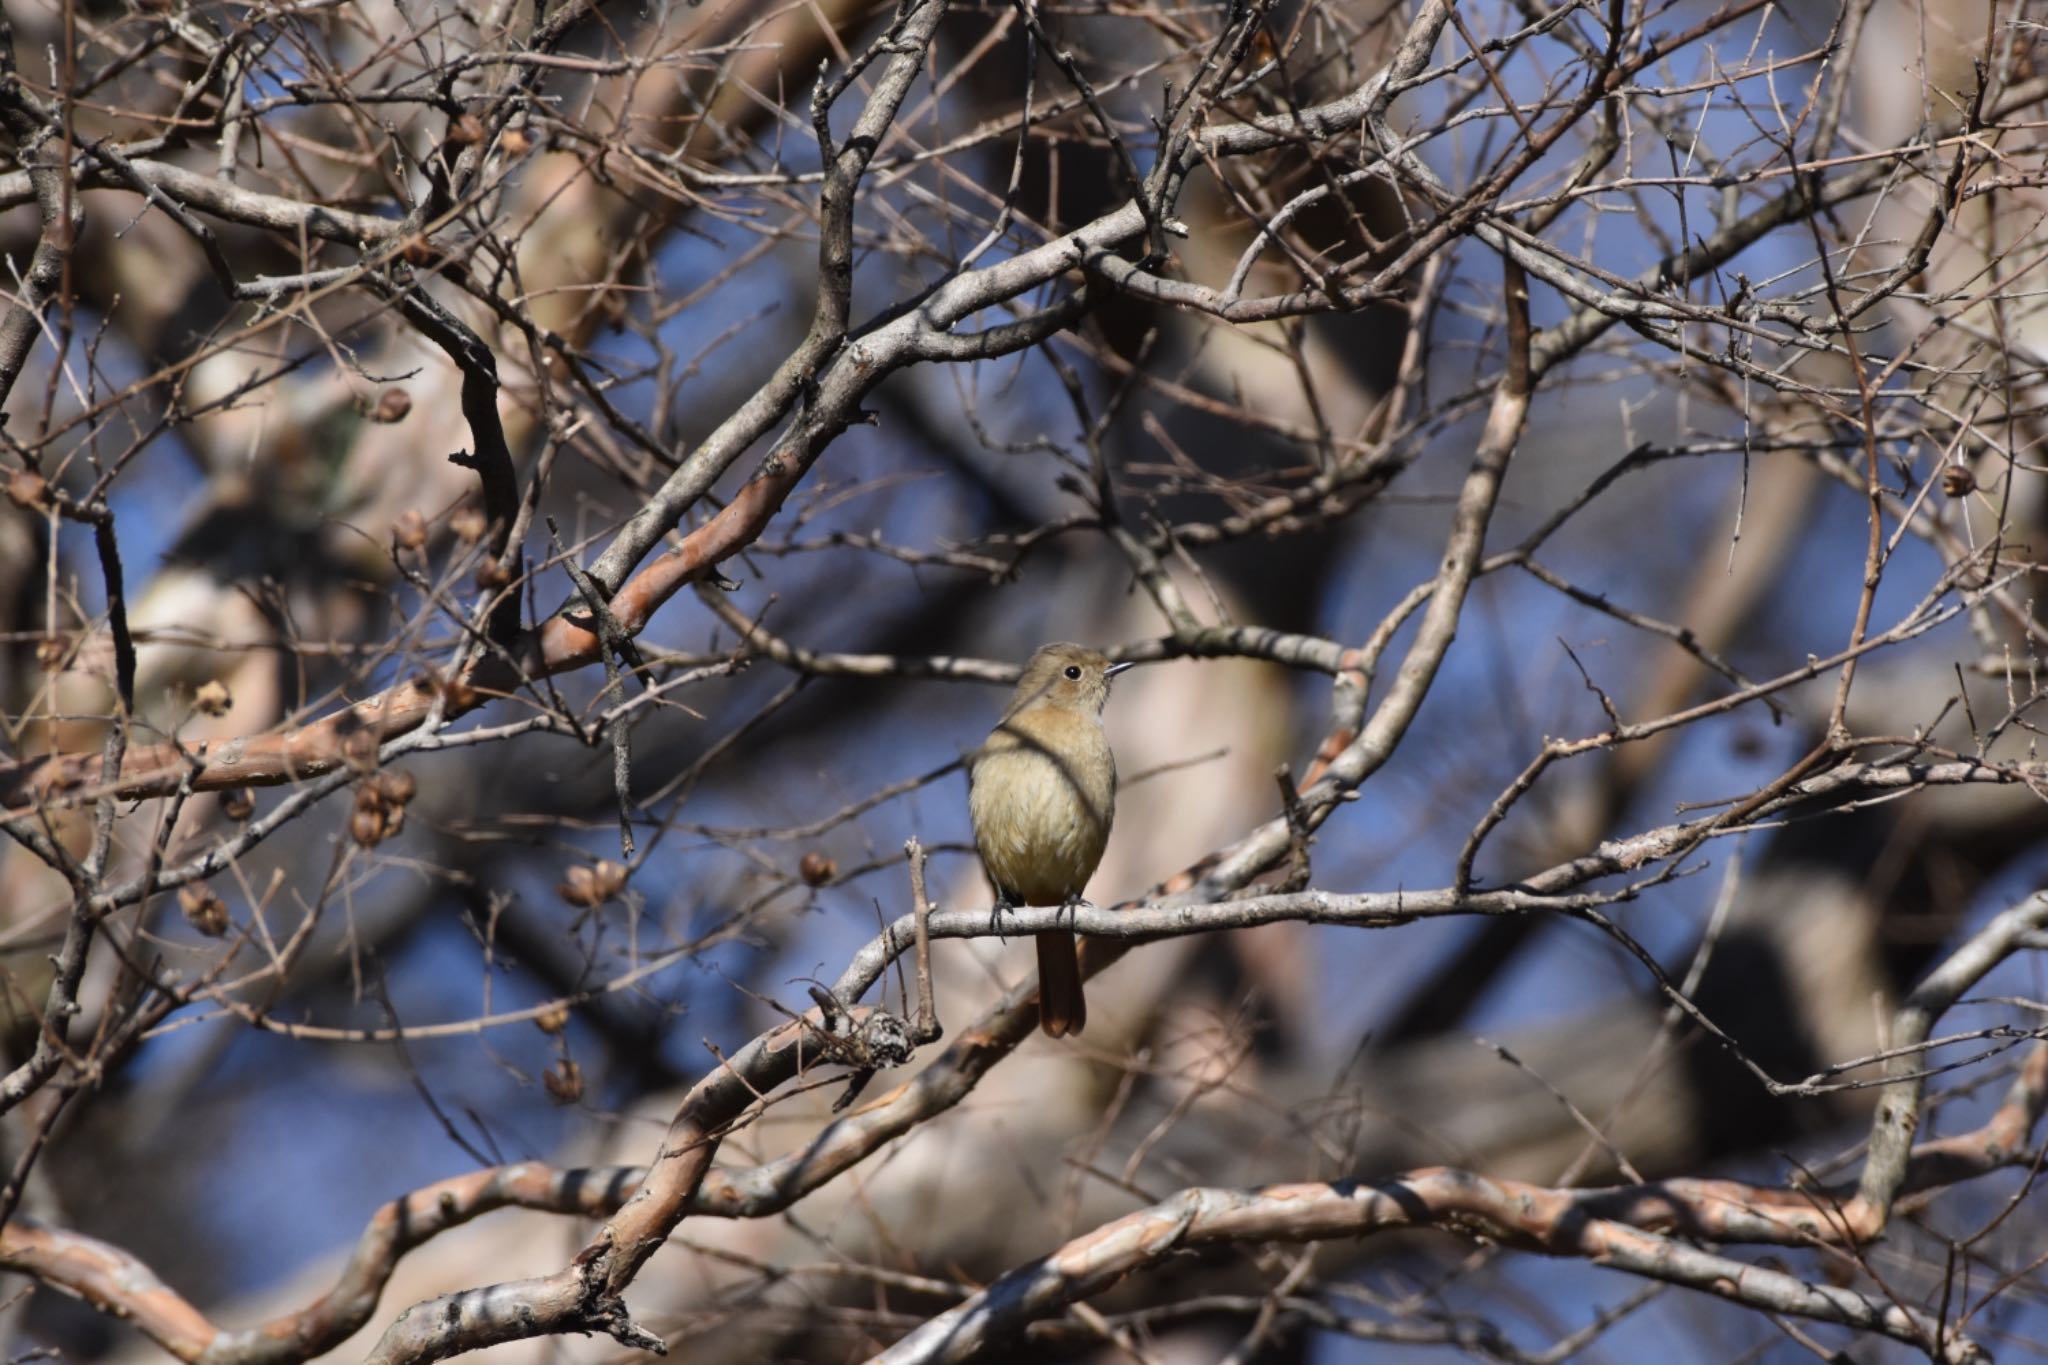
<point x="1042" y="799"/>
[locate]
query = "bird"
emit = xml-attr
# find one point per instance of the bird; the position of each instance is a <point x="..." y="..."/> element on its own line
<point x="1041" y="795"/>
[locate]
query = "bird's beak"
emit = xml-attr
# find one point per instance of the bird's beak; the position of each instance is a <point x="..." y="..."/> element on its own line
<point x="1115" y="669"/>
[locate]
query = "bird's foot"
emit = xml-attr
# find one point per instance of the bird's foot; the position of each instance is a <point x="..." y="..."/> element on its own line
<point x="995" y="919"/>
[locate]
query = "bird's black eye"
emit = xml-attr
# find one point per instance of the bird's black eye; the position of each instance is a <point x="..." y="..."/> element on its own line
<point x="1074" y="672"/>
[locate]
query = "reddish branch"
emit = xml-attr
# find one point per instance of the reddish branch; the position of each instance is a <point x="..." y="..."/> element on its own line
<point x="119" y="1284"/>
<point x="585" y="1296"/>
<point x="832" y="379"/>
<point x="836" y="389"/>
<point x="561" y="645"/>
<point x="558" y="645"/>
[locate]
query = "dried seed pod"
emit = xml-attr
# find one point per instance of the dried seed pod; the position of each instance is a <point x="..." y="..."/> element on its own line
<point x="563" y="1082"/>
<point x="366" y="824"/>
<point x="213" y="698"/>
<point x="238" y="803"/>
<point x="1957" y="480"/>
<point x="515" y="142"/>
<point x="593" y="885"/>
<point x="816" y="869"/>
<point x="203" y="909"/>
<point x="468" y="523"/>
<point x="377" y="813"/>
<point x="396" y="785"/>
<point x="50" y="654"/>
<point x="552" y="1018"/>
<point x="417" y="250"/>
<point x="392" y="406"/>
<point x="491" y="575"/>
<point x="466" y="130"/>
<point x="409" y="532"/>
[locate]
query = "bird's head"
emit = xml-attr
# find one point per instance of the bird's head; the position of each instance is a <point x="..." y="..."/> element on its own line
<point x="1068" y="676"/>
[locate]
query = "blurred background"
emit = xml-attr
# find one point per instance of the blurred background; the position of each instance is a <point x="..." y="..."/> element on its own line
<point x="637" y="239"/>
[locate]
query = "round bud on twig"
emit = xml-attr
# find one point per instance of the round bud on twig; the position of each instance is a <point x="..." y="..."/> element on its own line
<point x="409" y="531"/>
<point x="213" y="698"/>
<point x="468" y="523"/>
<point x="392" y="406"/>
<point x="396" y="786"/>
<point x="586" y="886"/>
<point x="563" y="1082"/>
<point x="374" y="819"/>
<point x="203" y="909"/>
<point x="816" y="869"/>
<point x="380" y="800"/>
<point x="365" y="826"/>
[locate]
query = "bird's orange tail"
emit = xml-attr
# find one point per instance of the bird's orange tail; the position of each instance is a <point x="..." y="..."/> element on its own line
<point x="1062" y="1009"/>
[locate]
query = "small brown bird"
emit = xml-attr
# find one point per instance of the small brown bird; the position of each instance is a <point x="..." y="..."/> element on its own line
<point x="1041" y="794"/>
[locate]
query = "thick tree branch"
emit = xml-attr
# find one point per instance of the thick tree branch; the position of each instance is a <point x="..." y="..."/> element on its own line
<point x="1527" y="1217"/>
